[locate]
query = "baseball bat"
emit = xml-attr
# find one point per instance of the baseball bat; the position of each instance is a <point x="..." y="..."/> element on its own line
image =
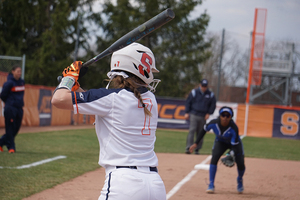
<point x="136" y="34"/>
<point x="133" y="36"/>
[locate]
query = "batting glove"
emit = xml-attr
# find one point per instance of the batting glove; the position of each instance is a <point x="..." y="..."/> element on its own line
<point x="73" y="70"/>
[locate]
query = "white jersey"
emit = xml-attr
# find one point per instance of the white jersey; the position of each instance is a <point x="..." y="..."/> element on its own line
<point x="126" y="135"/>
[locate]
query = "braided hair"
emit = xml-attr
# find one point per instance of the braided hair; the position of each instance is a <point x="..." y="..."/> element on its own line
<point x="133" y="83"/>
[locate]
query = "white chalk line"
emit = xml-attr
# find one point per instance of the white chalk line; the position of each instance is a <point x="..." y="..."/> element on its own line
<point x="36" y="163"/>
<point x="202" y="165"/>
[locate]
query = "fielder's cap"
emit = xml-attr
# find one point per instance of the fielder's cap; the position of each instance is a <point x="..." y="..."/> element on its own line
<point x="226" y="109"/>
<point x="204" y="82"/>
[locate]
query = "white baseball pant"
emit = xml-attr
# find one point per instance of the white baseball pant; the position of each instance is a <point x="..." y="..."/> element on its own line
<point x="132" y="184"/>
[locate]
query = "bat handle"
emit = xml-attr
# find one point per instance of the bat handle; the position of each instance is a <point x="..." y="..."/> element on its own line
<point x="88" y="63"/>
<point x="59" y="79"/>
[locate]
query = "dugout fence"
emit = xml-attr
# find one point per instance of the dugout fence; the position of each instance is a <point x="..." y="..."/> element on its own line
<point x="7" y="62"/>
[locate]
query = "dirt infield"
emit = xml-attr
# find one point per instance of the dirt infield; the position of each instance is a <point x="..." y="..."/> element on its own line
<point x="264" y="179"/>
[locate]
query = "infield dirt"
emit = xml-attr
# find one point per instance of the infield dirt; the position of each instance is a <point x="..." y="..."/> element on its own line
<point x="264" y="178"/>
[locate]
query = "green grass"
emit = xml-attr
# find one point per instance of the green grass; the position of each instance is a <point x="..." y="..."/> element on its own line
<point x="82" y="150"/>
<point x="272" y="148"/>
<point x="80" y="146"/>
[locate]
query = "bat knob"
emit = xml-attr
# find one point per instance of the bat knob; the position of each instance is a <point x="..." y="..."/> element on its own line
<point x="59" y="79"/>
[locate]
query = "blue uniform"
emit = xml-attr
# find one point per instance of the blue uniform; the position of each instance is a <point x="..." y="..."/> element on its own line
<point x="226" y="138"/>
<point x="12" y="95"/>
<point x="228" y="135"/>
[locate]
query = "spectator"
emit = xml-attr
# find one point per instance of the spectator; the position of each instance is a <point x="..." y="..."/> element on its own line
<point x="13" y="96"/>
<point x="200" y="103"/>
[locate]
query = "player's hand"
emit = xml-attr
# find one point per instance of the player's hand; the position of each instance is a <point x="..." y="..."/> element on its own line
<point x="186" y="116"/>
<point x="206" y="116"/>
<point x="193" y="147"/>
<point x="83" y="71"/>
<point x="73" y="70"/>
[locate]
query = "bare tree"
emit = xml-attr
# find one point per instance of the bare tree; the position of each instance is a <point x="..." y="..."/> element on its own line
<point x="234" y="69"/>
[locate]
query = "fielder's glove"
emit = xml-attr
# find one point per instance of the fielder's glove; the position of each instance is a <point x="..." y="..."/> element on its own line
<point x="229" y="160"/>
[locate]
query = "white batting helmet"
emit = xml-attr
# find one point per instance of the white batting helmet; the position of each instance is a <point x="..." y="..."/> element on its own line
<point x="136" y="59"/>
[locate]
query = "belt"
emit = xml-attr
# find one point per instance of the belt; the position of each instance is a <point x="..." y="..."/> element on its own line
<point x="152" y="169"/>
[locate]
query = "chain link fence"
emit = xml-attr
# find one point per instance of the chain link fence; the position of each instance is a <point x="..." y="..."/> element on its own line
<point x="7" y="62"/>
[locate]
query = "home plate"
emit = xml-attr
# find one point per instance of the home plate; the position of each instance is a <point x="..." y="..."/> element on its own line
<point x="202" y="166"/>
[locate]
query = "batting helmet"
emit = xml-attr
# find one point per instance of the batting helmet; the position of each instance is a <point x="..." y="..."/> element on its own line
<point x="136" y="59"/>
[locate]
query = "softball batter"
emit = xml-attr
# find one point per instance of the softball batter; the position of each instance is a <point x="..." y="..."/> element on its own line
<point x="125" y="121"/>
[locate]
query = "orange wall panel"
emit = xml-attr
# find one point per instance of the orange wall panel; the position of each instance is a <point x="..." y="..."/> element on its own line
<point x="240" y="118"/>
<point x="31" y="116"/>
<point x="31" y="113"/>
<point x="60" y="117"/>
<point x="3" y="79"/>
<point x="260" y="120"/>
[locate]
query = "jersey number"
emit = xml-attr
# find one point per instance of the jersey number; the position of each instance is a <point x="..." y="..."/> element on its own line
<point x="146" y="128"/>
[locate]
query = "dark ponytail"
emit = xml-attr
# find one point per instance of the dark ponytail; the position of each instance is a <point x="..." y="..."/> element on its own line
<point x="132" y="83"/>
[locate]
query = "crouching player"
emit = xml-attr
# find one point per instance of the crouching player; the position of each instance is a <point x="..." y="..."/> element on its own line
<point x="227" y="137"/>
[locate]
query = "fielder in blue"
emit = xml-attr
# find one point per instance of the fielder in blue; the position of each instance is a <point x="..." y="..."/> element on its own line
<point x="227" y="137"/>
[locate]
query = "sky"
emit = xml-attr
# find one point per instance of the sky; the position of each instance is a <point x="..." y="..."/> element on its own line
<point x="237" y="18"/>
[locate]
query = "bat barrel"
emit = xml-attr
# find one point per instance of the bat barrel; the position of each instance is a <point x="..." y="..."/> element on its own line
<point x="170" y="13"/>
<point x="136" y="34"/>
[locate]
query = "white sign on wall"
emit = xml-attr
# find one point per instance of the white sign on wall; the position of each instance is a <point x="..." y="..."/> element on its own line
<point x="278" y="61"/>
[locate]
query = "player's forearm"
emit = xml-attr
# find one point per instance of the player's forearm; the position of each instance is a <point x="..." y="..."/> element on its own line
<point x="62" y="99"/>
<point x="201" y="135"/>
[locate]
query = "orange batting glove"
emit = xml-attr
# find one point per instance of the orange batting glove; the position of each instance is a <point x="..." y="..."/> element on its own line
<point x="76" y="86"/>
<point x="73" y="70"/>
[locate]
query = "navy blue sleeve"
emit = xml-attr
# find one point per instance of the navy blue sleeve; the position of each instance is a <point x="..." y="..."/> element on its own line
<point x="6" y="90"/>
<point x="92" y="95"/>
<point x="205" y="129"/>
<point x="201" y="135"/>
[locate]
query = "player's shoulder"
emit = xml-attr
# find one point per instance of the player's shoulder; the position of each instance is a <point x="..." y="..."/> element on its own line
<point x="210" y="93"/>
<point x="95" y="94"/>
<point x="213" y="121"/>
<point x="210" y="125"/>
<point x="9" y="83"/>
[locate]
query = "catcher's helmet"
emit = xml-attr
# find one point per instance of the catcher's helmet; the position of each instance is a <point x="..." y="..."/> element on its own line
<point x="136" y="59"/>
